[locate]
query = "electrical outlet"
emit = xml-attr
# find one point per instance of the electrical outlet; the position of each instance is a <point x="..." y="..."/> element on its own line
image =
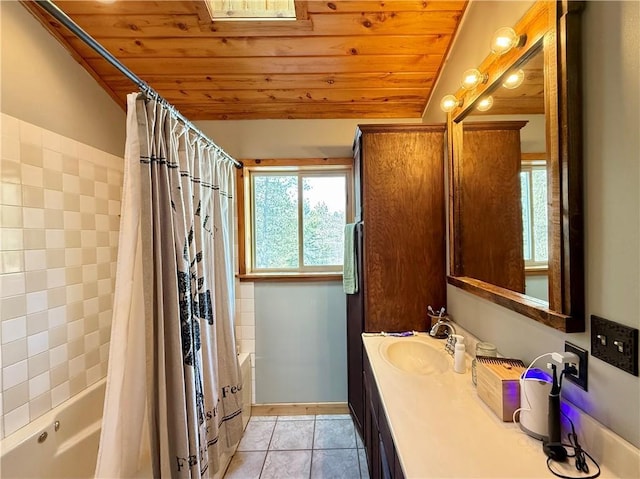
<point x="580" y="379"/>
<point x="615" y="343"/>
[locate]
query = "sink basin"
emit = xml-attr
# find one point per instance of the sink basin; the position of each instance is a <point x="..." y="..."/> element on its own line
<point x="414" y="356"/>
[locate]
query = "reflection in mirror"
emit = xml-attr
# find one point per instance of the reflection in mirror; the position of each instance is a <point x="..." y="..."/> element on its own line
<point x="520" y="99"/>
<point x="515" y="176"/>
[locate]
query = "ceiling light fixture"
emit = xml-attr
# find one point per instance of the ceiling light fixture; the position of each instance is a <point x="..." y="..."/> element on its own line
<point x="514" y="80"/>
<point x="449" y="103"/>
<point x="472" y="78"/>
<point x="485" y="104"/>
<point x="505" y="39"/>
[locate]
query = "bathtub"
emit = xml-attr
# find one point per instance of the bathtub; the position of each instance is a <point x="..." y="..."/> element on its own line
<point x="39" y="451"/>
<point x="63" y="443"/>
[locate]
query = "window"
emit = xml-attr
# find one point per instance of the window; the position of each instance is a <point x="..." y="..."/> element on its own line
<point x="533" y="183"/>
<point x="294" y="217"/>
<point x="251" y="10"/>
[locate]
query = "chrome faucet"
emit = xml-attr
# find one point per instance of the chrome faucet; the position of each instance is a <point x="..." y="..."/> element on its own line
<point x="442" y="322"/>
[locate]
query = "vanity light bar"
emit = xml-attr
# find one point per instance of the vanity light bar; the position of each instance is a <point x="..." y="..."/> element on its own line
<point x="449" y="103"/>
<point x="472" y="78"/>
<point x="503" y="40"/>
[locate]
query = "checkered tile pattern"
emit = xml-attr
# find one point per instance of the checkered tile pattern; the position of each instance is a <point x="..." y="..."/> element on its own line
<point x="59" y="224"/>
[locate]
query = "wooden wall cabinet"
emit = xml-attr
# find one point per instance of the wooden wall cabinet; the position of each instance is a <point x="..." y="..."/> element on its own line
<point x="400" y="237"/>
<point x="488" y="228"/>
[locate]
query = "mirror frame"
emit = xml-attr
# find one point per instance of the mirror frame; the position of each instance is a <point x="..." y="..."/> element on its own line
<point x="555" y="26"/>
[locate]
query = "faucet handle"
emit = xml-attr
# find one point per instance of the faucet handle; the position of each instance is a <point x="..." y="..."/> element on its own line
<point x="451" y="343"/>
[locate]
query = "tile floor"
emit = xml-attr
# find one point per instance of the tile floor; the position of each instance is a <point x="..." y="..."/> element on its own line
<point x="299" y="447"/>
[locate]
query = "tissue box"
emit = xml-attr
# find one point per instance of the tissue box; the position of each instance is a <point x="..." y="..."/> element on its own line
<point x="498" y="384"/>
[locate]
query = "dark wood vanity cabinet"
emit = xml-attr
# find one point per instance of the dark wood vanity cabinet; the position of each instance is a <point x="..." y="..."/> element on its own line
<point x="382" y="460"/>
<point x="400" y="237"/>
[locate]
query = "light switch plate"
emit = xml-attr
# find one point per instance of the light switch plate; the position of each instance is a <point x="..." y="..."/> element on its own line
<point x="615" y="343"/>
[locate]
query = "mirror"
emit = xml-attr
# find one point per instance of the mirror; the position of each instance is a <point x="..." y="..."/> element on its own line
<point x="504" y="179"/>
<point x="515" y="175"/>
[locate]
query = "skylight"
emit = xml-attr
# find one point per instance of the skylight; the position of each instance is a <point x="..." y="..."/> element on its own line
<point x="244" y="10"/>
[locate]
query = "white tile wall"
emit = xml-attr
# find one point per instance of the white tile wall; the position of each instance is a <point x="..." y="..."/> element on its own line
<point x="245" y="325"/>
<point x="59" y="220"/>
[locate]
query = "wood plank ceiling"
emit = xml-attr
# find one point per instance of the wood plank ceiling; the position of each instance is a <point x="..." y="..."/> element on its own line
<point x="339" y="59"/>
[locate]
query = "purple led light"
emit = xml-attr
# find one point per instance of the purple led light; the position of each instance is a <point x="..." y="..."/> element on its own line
<point x="538" y="374"/>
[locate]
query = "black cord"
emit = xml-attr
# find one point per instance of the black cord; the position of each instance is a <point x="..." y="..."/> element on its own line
<point x="549" y="460"/>
<point x="579" y="453"/>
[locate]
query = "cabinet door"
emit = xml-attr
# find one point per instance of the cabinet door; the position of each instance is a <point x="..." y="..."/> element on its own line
<point x="404" y="228"/>
<point x="381" y="452"/>
<point x="371" y="434"/>
<point x="386" y="464"/>
<point x="387" y="450"/>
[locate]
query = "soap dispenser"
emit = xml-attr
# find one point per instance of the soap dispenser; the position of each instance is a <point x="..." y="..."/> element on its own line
<point x="459" y="360"/>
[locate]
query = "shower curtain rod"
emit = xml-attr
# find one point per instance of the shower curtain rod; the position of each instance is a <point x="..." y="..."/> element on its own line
<point x="63" y="18"/>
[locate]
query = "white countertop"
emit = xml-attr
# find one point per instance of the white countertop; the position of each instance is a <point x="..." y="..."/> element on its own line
<point x="441" y="429"/>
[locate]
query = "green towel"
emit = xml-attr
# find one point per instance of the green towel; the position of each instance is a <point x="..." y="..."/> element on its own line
<point x="350" y="271"/>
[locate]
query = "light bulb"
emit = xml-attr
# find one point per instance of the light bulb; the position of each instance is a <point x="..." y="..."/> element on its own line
<point x="504" y="40"/>
<point x="514" y="80"/>
<point x="449" y="102"/>
<point x="485" y="104"/>
<point x="472" y="78"/>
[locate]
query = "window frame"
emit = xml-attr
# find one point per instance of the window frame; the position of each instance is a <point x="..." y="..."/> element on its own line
<point x="307" y="167"/>
<point x="529" y="163"/>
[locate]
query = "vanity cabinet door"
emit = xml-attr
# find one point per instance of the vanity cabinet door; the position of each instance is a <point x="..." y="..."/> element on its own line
<point x="371" y="432"/>
<point x="371" y="441"/>
<point x="387" y="451"/>
<point x="381" y="453"/>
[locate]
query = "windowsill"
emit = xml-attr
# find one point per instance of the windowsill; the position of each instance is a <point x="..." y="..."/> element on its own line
<point x="290" y="277"/>
<point x="536" y="270"/>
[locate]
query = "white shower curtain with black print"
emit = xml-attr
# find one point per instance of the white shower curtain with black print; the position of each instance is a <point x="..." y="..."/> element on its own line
<point x="172" y="350"/>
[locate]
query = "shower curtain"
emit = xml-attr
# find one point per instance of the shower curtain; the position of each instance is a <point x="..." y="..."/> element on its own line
<point x="173" y="384"/>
